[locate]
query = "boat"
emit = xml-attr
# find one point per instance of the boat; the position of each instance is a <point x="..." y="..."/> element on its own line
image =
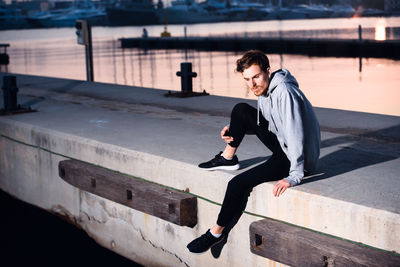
<point x="188" y="12"/>
<point x="371" y="12"/>
<point x="11" y="18"/>
<point x="132" y="12"/>
<point x="342" y="11"/>
<point x="44" y="19"/>
<point x="300" y="12"/>
<point x="66" y="17"/>
<point x="237" y="10"/>
<point x="312" y="11"/>
<point x="94" y="16"/>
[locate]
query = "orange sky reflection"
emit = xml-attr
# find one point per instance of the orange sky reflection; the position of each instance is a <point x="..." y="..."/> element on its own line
<point x="327" y="82"/>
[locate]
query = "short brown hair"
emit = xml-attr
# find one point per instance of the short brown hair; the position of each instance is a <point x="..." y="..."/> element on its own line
<point x="252" y="57"/>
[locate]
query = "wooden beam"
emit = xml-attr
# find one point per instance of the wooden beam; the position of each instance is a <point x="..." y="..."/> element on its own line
<point x="173" y="206"/>
<point x="296" y="246"/>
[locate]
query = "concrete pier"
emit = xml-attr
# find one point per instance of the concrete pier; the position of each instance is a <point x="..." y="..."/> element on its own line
<point x="139" y="132"/>
<point x="302" y="46"/>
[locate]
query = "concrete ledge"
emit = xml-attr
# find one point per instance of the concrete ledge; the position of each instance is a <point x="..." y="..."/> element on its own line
<point x="355" y="197"/>
<point x="359" y="223"/>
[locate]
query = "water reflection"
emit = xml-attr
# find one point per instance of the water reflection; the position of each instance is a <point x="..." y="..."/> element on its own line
<point x="380" y="30"/>
<point x="328" y="82"/>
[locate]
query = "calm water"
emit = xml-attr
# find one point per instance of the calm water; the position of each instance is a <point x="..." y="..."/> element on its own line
<point x="328" y="82"/>
<point x="31" y="236"/>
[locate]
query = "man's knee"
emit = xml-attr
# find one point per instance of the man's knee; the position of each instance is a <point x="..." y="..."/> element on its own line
<point x="240" y="107"/>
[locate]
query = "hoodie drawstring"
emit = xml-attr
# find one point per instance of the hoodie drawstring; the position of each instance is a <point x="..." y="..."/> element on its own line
<point x="258" y="111"/>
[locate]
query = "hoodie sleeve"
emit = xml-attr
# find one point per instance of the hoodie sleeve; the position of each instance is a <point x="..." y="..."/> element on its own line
<point x="293" y="134"/>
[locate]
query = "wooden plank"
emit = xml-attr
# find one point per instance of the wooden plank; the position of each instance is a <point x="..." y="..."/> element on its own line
<point x="173" y="206"/>
<point x="296" y="246"/>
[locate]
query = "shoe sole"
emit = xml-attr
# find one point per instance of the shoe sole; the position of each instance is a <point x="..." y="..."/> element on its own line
<point x="228" y="168"/>
<point x="208" y="248"/>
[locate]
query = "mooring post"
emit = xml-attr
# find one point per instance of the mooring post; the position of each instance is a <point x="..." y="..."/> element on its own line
<point x="4" y="58"/>
<point x="10" y="91"/>
<point x="186" y="75"/>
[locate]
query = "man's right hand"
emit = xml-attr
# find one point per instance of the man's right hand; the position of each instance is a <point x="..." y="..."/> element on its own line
<point x="226" y="138"/>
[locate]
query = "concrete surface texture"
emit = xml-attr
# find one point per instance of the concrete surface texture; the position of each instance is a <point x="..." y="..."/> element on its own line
<point x="137" y="131"/>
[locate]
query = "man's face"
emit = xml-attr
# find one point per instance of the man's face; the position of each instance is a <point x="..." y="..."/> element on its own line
<point x="256" y="79"/>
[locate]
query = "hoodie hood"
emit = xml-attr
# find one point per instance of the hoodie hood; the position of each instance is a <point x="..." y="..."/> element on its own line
<point x="277" y="77"/>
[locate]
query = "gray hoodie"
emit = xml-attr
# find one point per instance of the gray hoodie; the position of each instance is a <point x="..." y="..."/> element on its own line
<point x="292" y="119"/>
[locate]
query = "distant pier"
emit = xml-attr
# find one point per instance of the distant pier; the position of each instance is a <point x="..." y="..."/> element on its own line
<point x="310" y="47"/>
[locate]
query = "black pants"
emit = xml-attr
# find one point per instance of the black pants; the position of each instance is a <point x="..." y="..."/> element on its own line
<point x="244" y="121"/>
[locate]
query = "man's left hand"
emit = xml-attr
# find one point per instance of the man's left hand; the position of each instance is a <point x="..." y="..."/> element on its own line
<point x="280" y="187"/>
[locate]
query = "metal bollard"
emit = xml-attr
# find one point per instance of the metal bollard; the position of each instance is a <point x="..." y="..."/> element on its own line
<point x="186" y="75"/>
<point x="4" y="59"/>
<point x="10" y="90"/>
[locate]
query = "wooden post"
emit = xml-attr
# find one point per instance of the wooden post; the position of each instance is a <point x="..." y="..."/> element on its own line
<point x="173" y="206"/>
<point x="297" y="246"/>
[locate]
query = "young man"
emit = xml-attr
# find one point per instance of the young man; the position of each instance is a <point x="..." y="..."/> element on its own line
<point x="287" y="125"/>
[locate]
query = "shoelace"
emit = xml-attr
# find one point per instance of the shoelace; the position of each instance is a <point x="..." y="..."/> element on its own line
<point x="217" y="157"/>
<point x="207" y="238"/>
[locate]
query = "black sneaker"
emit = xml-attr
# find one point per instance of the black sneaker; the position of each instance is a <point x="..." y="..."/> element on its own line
<point x="204" y="242"/>
<point x="217" y="249"/>
<point x="220" y="163"/>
